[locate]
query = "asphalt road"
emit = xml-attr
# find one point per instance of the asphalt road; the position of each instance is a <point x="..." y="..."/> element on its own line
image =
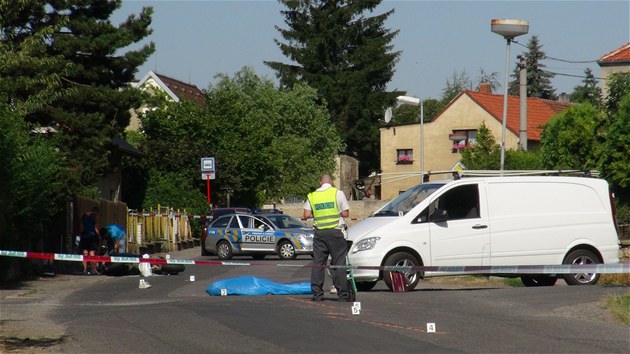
<point x="101" y="314"/>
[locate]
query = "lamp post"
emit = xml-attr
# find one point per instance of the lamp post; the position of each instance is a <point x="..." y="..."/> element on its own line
<point x="509" y="29"/>
<point x="413" y="101"/>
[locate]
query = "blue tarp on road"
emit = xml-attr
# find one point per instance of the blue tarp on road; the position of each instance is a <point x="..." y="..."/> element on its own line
<point x="249" y="285"/>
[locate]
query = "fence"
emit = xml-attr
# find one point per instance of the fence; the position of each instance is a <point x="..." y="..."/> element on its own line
<point x="162" y="229"/>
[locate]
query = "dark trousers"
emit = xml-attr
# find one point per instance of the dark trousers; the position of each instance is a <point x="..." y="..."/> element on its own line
<point x="329" y="242"/>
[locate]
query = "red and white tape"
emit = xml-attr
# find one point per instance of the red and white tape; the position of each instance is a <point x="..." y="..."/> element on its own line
<point x="518" y="269"/>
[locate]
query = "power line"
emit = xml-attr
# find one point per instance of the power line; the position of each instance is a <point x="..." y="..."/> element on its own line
<point x="561" y="60"/>
<point x="570" y="75"/>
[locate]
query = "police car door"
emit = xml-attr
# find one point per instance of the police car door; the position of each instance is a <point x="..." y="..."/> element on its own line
<point x="255" y="234"/>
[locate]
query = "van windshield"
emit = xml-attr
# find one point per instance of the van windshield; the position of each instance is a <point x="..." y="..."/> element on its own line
<point x="409" y="199"/>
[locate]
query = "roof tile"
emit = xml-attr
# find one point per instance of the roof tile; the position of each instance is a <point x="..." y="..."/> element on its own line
<point x="539" y="111"/>
<point x="621" y="54"/>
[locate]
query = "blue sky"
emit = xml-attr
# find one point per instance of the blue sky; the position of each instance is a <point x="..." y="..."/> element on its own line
<point x="196" y="40"/>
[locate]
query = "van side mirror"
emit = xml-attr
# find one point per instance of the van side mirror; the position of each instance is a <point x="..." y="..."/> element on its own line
<point x="439" y="215"/>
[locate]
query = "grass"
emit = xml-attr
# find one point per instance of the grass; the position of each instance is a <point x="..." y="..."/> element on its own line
<point x="619" y="307"/>
<point x="615" y="279"/>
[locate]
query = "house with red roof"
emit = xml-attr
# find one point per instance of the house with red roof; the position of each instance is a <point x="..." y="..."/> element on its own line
<point x="174" y="90"/>
<point x="615" y="61"/>
<point x="450" y="132"/>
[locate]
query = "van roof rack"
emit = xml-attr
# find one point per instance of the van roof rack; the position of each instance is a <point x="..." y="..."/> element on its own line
<point x="495" y="173"/>
<point x="426" y="175"/>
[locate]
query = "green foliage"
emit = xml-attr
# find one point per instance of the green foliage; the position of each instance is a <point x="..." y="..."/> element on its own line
<point x="173" y="189"/>
<point x="538" y="79"/>
<point x="618" y="87"/>
<point x="348" y="58"/>
<point x="29" y="189"/>
<point x="568" y="139"/>
<point x="615" y="159"/>
<point x="63" y="67"/>
<point x="485" y="155"/>
<point x="268" y="143"/>
<point x="523" y="160"/>
<point x="488" y="78"/>
<point x="618" y="306"/>
<point x="456" y="84"/>
<point x="589" y="92"/>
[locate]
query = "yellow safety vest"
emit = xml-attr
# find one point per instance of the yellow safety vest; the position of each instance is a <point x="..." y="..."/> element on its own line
<point x="324" y="208"/>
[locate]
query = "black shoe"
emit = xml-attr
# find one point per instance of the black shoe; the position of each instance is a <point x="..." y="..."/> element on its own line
<point x="345" y="298"/>
<point x="317" y="298"/>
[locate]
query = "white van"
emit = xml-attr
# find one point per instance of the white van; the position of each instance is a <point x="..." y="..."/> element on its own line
<point x="489" y="221"/>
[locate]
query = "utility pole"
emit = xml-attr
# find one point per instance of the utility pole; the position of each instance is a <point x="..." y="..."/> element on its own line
<point x="523" y="102"/>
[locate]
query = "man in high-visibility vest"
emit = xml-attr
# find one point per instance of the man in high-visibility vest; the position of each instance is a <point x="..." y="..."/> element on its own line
<point x="328" y="206"/>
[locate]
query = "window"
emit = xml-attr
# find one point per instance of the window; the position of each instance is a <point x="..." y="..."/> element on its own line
<point x="462" y="139"/>
<point x="460" y="202"/>
<point x="404" y="156"/>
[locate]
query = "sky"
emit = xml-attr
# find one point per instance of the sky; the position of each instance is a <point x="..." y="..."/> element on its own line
<point x="196" y="40"/>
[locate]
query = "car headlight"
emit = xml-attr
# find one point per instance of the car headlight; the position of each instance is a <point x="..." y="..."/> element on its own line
<point x="365" y="244"/>
<point x="305" y="237"/>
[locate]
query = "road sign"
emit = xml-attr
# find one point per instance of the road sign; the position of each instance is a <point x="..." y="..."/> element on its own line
<point x="207" y="164"/>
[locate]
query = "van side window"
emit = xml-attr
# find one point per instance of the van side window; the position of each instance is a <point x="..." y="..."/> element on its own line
<point x="460" y="202"/>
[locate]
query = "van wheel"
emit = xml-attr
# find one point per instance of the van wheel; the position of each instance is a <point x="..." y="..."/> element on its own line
<point x="286" y="251"/>
<point x="581" y="257"/>
<point x="402" y="259"/>
<point x="365" y="285"/>
<point x="538" y="280"/>
<point x="224" y="250"/>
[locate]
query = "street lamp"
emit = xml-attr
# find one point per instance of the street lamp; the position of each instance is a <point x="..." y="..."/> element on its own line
<point x="509" y="29"/>
<point x="413" y="101"/>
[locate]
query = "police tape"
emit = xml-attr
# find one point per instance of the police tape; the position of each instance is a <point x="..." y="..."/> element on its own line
<point x="617" y="268"/>
<point x="198" y="216"/>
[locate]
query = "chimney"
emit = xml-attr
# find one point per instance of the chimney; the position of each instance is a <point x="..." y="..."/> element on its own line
<point x="564" y="98"/>
<point x="485" y="87"/>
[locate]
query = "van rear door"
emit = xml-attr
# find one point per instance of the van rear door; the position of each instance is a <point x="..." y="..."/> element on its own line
<point x="463" y="239"/>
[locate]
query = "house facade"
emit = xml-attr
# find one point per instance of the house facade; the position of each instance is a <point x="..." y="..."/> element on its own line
<point x="450" y="132"/>
<point x="616" y="61"/>
<point x="174" y="89"/>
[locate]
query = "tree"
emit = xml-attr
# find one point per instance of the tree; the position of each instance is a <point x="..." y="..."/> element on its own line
<point x="538" y="79"/>
<point x="458" y="83"/>
<point x="485" y="154"/>
<point x="615" y="159"/>
<point x="348" y="58"/>
<point x="267" y="143"/>
<point x="278" y="143"/>
<point x="79" y="59"/>
<point x="588" y="92"/>
<point x="29" y="191"/>
<point x="568" y="139"/>
<point x="618" y="87"/>
<point x="488" y="78"/>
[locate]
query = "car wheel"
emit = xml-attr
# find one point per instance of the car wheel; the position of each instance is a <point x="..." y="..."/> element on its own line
<point x="286" y="250"/>
<point x="402" y="259"/>
<point x="538" y="280"/>
<point x="224" y="250"/>
<point x="581" y="257"/>
<point x="258" y="257"/>
<point x="365" y="285"/>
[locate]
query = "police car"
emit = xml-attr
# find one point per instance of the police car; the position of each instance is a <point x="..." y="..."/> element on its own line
<point x="258" y="235"/>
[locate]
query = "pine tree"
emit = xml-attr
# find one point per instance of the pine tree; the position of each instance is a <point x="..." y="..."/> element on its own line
<point x="589" y="92"/>
<point x="348" y="58"/>
<point x="538" y="79"/>
<point x="87" y="76"/>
